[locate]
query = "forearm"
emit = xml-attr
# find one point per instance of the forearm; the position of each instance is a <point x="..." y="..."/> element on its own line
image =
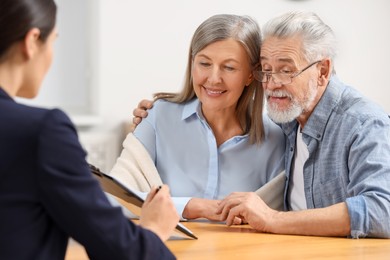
<point x="329" y="221"/>
<point x="191" y="210"/>
<point x="201" y="208"/>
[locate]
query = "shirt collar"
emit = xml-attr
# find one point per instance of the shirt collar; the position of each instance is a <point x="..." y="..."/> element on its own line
<point x="190" y="108"/>
<point x="316" y="124"/>
<point x="193" y="107"/>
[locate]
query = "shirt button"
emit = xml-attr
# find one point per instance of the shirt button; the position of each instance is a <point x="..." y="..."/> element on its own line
<point x="291" y="149"/>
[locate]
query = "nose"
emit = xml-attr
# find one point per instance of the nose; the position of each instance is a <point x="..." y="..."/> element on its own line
<point x="214" y="76"/>
<point x="271" y="84"/>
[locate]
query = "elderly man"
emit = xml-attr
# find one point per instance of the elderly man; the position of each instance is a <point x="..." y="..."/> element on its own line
<point x="338" y="142"/>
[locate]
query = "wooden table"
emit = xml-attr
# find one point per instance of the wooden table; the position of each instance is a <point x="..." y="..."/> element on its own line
<point x="216" y="241"/>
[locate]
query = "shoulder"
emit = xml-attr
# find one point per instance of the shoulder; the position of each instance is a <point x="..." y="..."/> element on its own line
<point x="43" y="122"/>
<point x="29" y="117"/>
<point x="346" y="106"/>
<point x="57" y="116"/>
<point x="353" y="106"/>
<point x="351" y="116"/>
<point x="58" y="126"/>
<point x="25" y="112"/>
<point x="164" y="109"/>
<point x="47" y="118"/>
<point x="162" y="105"/>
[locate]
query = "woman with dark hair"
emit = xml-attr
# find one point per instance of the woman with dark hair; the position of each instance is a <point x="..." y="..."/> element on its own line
<point x="47" y="193"/>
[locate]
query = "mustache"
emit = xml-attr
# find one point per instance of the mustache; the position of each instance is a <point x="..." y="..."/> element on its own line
<point x="278" y="94"/>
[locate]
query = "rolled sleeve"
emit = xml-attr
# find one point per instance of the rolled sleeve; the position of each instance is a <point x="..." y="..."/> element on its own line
<point x="357" y="210"/>
<point x="364" y="217"/>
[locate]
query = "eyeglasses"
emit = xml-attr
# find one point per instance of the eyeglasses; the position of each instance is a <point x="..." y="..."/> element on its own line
<point x="281" y="78"/>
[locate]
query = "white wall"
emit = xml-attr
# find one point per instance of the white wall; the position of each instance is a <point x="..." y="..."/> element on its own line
<point x="110" y="54"/>
<point x="143" y="45"/>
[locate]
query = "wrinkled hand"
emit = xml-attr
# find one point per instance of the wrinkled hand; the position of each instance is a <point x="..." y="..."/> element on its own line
<point x="247" y="206"/>
<point x="158" y="213"/>
<point x="140" y="112"/>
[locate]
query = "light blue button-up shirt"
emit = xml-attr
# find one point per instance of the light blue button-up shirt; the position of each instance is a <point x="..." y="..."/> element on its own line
<point x="348" y="139"/>
<point x="184" y="150"/>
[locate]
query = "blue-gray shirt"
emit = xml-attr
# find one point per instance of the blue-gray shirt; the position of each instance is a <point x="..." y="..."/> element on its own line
<point x="348" y="138"/>
<point x="185" y="152"/>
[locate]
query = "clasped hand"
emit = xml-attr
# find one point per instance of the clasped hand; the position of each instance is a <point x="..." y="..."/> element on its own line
<point x="246" y="207"/>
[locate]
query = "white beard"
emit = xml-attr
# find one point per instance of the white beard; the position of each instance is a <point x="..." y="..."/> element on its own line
<point x="296" y="108"/>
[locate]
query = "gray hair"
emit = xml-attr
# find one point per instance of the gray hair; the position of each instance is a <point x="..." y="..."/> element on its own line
<point x="318" y="39"/>
<point x="225" y="26"/>
<point x="246" y="31"/>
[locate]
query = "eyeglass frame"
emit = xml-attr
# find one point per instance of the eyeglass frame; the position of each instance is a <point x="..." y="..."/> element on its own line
<point x="292" y="75"/>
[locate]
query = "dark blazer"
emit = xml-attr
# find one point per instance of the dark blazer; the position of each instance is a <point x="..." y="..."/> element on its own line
<point x="47" y="193"/>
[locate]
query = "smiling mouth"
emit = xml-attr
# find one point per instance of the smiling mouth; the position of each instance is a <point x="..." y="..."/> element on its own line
<point x="214" y="92"/>
<point x="277" y="95"/>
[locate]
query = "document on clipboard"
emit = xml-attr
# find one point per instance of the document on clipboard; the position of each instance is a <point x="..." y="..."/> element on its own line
<point x="131" y="199"/>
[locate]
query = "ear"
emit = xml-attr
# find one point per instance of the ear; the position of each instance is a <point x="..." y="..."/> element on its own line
<point x="324" y="72"/>
<point x="30" y="42"/>
<point x="250" y="79"/>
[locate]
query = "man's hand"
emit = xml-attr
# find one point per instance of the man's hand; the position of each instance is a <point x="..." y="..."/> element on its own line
<point x="158" y="213"/>
<point x="329" y="221"/>
<point x="140" y="112"/>
<point x="248" y="207"/>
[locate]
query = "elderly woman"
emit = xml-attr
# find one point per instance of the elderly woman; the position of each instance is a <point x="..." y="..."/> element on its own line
<point x="212" y="138"/>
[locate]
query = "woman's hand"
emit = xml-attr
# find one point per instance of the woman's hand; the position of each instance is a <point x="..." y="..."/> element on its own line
<point x="158" y="213"/>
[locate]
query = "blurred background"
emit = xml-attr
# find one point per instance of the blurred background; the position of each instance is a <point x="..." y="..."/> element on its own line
<point x="110" y="54"/>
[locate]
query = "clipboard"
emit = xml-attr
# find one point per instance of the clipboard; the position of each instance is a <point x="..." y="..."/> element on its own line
<point x="130" y="199"/>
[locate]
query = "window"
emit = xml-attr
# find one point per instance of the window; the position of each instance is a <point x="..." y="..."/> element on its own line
<point x="69" y="80"/>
